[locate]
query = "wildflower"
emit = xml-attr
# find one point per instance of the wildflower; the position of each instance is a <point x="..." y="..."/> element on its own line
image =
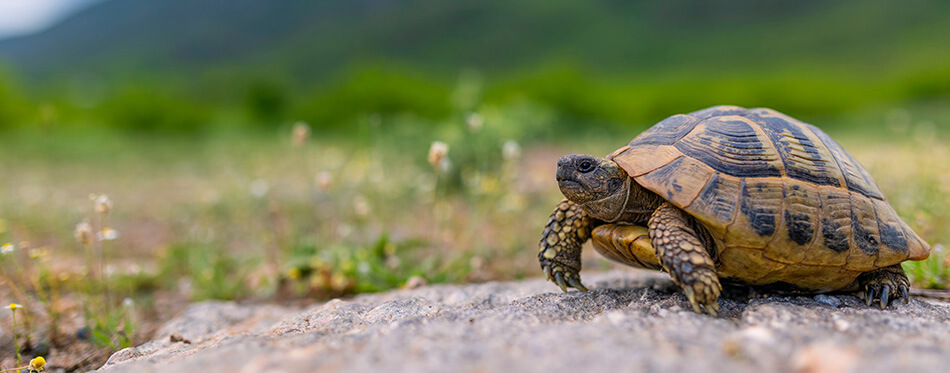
<point x="37" y="364"/>
<point x="361" y="206"/>
<point x="102" y="203"/>
<point x="511" y="150"/>
<point x="475" y="122"/>
<point x="339" y="281"/>
<point x="107" y="234"/>
<point x="301" y="133"/>
<point x="294" y="273"/>
<point x="437" y="153"/>
<point x="439" y="156"/>
<point x="16" y="342"/>
<point x="259" y="188"/>
<point x="7" y="248"/>
<point x="83" y="233"/>
<point x="324" y="180"/>
<point x="128" y="303"/>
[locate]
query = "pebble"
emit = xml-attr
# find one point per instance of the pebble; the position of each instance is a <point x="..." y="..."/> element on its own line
<point x="827" y="299"/>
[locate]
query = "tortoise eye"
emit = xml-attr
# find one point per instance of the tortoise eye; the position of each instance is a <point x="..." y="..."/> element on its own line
<point x="585" y="166"/>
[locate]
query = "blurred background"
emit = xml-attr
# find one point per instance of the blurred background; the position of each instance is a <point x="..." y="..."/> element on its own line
<point x="159" y="152"/>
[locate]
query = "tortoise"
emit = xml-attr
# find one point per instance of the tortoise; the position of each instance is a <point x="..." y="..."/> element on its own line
<point x="744" y="197"/>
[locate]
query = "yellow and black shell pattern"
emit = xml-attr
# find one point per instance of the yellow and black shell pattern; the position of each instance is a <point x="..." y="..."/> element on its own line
<point x="783" y="201"/>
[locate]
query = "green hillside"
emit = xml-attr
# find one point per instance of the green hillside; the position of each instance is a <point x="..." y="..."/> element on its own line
<point x="612" y="61"/>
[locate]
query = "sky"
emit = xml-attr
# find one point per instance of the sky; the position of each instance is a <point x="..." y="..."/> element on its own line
<point x="18" y="17"/>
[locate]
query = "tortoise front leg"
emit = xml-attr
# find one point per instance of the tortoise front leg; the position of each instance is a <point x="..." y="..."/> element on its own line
<point x="685" y="258"/>
<point x="560" y="247"/>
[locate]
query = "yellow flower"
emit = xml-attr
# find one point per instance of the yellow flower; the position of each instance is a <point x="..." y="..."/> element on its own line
<point x="37" y="364"/>
<point x="294" y="273"/>
<point x="107" y="234"/>
<point x="15" y="306"/>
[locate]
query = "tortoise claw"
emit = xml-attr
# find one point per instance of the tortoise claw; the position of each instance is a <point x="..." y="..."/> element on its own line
<point x="576" y="283"/>
<point x="885" y="293"/>
<point x="691" y="296"/>
<point x="904" y="292"/>
<point x="559" y="279"/>
<point x="870" y="295"/>
<point x="711" y="307"/>
<point x="563" y="279"/>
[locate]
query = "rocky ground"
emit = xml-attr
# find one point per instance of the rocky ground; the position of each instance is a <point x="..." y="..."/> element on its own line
<point x="629" y="321"/>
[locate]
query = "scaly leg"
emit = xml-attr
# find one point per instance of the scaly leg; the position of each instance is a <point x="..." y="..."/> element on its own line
<point x="685" y="258"/>
<point x="560" y="247"/>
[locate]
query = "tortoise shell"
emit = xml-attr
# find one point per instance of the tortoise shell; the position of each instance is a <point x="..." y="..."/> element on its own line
<point x="783" y="201"/>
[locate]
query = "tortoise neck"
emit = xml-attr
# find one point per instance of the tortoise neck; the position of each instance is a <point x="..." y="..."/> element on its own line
<point x="610" y="208"/>
<point x="640" y="204"/>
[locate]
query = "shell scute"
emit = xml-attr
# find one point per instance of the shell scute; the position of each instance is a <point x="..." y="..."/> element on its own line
<point x="731" y="145"/>
<point x="803" y="156"/>
<point x="716" y="203"/>
<point x="760" y="211"/>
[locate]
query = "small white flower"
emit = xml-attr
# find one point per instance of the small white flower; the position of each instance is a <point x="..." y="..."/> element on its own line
<point x="7" y="248"/>
<point x="475" y="122"/>
<point x="103" y="204"/>
<point x="438" y="152"/>
<point x="83" y="232"/>
<point x="324" y="180"/>
<point x="128" y="303"/>
<point x="301" y="133"/>
<point x="445" y="166"/>
<point x="259" y="188"/>
<point x="511" y="150"/>
<point x="361" y="206"/>
<point x="363" y="267"/>
<point x="107" y="234"/>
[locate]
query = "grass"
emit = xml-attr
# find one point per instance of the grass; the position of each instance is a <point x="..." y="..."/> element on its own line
<point x="281" y="217"/>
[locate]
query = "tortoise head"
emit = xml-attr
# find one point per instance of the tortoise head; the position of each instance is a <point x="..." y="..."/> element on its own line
<point x="598" y="185"/>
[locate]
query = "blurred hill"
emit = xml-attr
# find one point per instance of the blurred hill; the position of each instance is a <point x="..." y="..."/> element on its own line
<point x="813" y="56"/>
<point x="315" y="39"/>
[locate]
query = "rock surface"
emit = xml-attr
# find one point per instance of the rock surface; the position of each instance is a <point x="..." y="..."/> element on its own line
<point x="629" y="321"/>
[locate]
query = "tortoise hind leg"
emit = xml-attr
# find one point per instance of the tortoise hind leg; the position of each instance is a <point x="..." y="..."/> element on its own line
<point x="685" y="258"/>
<point x="884" y="284"/>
